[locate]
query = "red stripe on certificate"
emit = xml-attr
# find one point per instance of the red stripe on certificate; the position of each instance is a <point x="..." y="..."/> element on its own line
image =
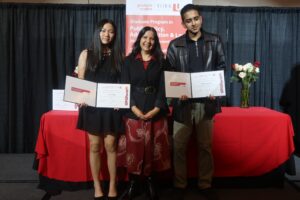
<point x="177" y="83"/>
<point x="79" y="90"/>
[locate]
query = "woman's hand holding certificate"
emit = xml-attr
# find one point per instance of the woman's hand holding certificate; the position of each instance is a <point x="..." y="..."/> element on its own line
<point x="104" y="95"/>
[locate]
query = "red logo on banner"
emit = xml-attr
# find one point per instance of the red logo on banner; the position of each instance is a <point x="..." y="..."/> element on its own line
<point x="176" y="7"/>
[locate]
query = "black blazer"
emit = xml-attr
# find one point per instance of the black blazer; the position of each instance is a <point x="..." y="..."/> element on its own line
<point x="133" y="72"/>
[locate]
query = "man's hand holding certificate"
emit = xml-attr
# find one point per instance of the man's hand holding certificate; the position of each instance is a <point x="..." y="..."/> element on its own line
<point x="102" y="95"/>
<point x="195" y="85"/>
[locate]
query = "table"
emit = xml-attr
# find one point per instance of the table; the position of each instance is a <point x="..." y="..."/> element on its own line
<point x="246" y="142"/>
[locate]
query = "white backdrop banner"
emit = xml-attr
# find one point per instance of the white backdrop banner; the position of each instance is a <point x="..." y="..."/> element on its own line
<point x="164" y="16"/>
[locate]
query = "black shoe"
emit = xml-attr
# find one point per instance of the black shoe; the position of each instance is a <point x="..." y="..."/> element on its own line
<point x="130" y="192"/>
<point x="209" y="194"/>
<point x="150" y="189"/>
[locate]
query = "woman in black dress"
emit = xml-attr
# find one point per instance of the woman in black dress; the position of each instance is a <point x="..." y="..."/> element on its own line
<point x="101" y="63"/>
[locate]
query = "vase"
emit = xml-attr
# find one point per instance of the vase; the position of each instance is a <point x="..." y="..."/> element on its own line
<point x="245" y="95"/>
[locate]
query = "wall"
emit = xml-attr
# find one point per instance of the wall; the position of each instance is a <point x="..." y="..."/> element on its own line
<point x="252" y="3"/>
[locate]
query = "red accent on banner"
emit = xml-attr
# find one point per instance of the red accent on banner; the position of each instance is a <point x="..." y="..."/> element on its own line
<point x="176" y="7"/>
<point x="79" y="90"/>
<point x="167" y="27"/>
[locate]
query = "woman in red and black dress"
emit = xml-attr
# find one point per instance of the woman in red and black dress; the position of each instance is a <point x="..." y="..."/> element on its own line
<point x="147" y="145"/>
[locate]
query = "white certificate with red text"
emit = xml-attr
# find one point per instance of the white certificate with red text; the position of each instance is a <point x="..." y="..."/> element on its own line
<point x="209" y="83"/>
<point x="80" y="91"/>
<point x="112" y="95"/>
<point x="104" y="95"/>
<point x="178" y="84"/>
<point x="58" y="102"/>
<point x="195" y="85"/>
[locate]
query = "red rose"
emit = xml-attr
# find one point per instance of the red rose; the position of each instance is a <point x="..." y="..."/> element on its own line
<point x="256" y="64"/>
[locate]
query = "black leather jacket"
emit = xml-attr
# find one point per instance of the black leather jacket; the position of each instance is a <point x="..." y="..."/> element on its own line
<point x="178" y="60"/>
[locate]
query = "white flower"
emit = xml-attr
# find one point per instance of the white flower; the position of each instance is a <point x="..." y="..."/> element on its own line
<point x="256" y="69"/>
<point x="238" y="67"/>
<point x="248" y="65"/>
<point x="76" y="70"/>
<point x="242" y="75"/>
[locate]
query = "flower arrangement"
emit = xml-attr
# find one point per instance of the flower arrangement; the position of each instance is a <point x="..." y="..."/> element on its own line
<point x="246" y="74"/>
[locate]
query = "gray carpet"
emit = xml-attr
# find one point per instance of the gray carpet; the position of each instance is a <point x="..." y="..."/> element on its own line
<point x="19" y="181"/>
<point x="17" y="168"/>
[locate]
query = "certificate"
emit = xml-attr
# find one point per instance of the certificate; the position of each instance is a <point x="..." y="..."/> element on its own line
<point x="209" y="83"/>
<point x="80" y="91"/>
<point x="58" y="102"/>
<point x="113" y="95"/>
<point x="195" y="85"/>
<point x="177" y="84"/>
<point x="103" y="95"/>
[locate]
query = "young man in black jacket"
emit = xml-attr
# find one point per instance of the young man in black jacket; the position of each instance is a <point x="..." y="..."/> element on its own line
<point x="195" y="51"/>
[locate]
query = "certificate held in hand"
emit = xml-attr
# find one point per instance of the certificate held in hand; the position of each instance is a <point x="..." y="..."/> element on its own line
<point x="104" y="95"/>
<point x="195" y="85"/>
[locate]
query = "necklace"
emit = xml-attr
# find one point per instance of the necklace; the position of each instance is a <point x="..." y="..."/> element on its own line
<point x="106" y="52"/>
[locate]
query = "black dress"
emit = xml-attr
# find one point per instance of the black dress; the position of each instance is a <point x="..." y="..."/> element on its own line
<point x="98" y="121"/>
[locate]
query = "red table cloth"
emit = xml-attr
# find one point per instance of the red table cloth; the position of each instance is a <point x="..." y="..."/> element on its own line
<point x="246" y="142"/>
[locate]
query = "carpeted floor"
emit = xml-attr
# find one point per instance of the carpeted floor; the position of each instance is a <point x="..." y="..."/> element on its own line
<point x="19" y="181"/>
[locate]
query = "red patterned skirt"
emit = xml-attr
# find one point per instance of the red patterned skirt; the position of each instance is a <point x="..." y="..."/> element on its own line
<point x="145" y="147"/>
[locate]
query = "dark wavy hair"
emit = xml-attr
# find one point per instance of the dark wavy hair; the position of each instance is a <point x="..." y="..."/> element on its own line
<point x="156" y="51"/>
<point x="187" y="8"/>
<point x="95" y="51"/>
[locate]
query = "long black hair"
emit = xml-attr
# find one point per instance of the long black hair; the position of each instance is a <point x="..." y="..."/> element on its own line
<point x="95" y="51"/>
<point x="156" y="50"/>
